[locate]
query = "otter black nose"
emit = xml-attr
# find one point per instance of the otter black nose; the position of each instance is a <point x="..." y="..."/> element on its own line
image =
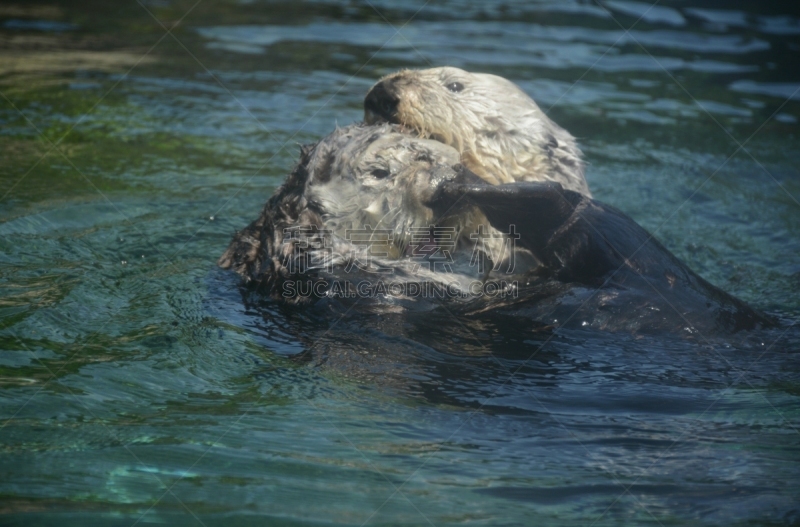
<point x="380" y="105"/>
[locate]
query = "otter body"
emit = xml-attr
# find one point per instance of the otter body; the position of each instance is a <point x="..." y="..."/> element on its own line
<point x="364" y="200"/>
<point x="501" y="133"/>
<point x="612" y="272"/>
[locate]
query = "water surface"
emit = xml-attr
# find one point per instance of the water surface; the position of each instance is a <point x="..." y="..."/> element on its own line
<point x="139" y="385"/>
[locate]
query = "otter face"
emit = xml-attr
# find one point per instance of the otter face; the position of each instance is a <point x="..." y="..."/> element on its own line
<point x="374" y="180"/>
<point x="500" y="132"/>
<point x="431" y="102"/>
<point x="377" y="178"/>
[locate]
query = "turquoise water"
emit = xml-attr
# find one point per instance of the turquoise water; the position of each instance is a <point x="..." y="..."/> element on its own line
<point x="139" y="385"/>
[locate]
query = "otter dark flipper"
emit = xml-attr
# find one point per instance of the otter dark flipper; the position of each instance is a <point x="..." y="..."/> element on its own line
<point x="535" y="211"/>
<point x="583" y="241"/>
<point x="567" y="232"/>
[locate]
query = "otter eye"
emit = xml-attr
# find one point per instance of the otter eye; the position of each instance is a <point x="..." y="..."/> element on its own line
<point x="455" y="87"/>
<point x="380" y="173"/>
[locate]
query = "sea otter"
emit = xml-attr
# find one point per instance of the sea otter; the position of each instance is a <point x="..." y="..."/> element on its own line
<point x="501" y="133"/>
<point x="358" y="206"/>
<point x="362" y="207"/>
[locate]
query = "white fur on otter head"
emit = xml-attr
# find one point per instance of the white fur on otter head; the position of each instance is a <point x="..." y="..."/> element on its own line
<point x="360" y="179"/>
<point x="500" y="132"/>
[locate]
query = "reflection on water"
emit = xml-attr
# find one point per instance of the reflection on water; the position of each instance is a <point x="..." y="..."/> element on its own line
<point x="138" y="381"/>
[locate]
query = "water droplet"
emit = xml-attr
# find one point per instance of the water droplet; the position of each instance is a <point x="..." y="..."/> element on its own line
<point x="211" y="218"/>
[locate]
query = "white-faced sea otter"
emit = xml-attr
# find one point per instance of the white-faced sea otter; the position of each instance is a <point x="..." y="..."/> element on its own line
<point x="501" y="133"/>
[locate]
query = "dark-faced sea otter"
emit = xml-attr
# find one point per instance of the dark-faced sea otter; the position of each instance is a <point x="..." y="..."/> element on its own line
<point x="364" y="204"/>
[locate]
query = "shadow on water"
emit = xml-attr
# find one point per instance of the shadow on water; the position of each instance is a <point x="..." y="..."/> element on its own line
<point x="474" y="362"/>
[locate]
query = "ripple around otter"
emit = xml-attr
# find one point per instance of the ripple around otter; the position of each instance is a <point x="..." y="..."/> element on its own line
<point x="131" y="364"/>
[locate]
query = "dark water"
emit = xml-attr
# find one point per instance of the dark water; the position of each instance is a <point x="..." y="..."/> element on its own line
<point x="139" y="386"/>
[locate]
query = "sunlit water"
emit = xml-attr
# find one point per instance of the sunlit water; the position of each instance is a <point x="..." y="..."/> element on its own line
<point x="140" y="385"/>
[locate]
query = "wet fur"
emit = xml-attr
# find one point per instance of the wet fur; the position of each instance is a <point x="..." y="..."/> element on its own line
<point x="332" y="188"/>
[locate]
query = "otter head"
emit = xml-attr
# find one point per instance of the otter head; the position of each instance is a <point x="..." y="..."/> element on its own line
<point x="500" y="132"/>
<point x="362" y="189"/>
<point x="374" y="177"/>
